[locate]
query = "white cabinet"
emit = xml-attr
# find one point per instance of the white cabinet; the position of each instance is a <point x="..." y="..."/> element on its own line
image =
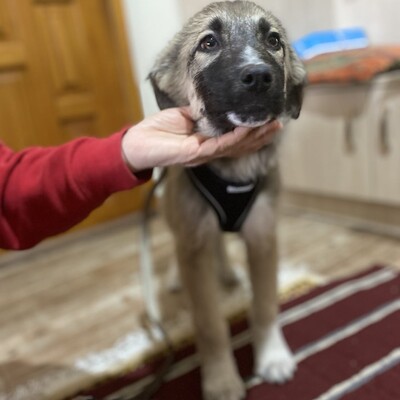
<point x="347" y="142"/>
<point x="322" y="155"/>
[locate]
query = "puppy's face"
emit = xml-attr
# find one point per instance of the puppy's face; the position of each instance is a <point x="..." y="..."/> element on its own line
<point x="238" y="70"/>
<point x="235" y="67"/>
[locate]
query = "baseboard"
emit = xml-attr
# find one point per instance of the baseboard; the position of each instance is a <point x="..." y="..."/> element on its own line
<point x="354" y="214"/>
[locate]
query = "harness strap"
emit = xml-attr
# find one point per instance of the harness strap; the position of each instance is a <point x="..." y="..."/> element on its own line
<point x="230" y="200"/>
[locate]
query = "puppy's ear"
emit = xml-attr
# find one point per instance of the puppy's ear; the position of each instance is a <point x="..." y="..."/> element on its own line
<point x="163" y="99"/>
<point x="296" y="82"/>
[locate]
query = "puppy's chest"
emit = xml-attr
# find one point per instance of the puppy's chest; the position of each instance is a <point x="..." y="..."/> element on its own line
<point x="230" y="200"/>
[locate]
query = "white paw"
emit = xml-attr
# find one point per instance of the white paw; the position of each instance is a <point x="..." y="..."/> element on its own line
<point x="278" y="370"/>
<point x="275" y="362"/>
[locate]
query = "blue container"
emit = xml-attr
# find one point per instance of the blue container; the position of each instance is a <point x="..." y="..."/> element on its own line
<point x="328" y="41"/>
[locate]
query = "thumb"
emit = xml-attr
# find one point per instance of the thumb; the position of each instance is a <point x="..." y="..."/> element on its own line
<point x="186" y="112"/>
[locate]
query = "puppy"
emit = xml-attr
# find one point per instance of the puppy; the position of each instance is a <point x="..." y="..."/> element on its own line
<point x="233" y="65"/>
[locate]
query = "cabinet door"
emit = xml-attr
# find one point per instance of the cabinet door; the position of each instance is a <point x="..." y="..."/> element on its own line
<point x="385" y="152"/>
<point x="326" y="155"/>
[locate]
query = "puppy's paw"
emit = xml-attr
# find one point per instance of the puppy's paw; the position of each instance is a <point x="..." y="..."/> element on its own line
<point x="276" y="363"/>
<point x="279" y="368"/>
<point x="223" y="386"/>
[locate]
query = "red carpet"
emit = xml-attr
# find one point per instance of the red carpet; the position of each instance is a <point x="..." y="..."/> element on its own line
<point x="345" y="336"/>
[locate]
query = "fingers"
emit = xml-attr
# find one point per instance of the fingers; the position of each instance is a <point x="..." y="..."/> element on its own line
<point x="239" y="142"/>
<point x="171" y="120"/>
<point x="186" y="112"/>
<point x="271" y="127"/>
<point x="252" y="138"/>
<point x="184" y="115"/>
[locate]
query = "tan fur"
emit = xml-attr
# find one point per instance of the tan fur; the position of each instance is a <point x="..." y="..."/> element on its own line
<point x="197" y="235"/>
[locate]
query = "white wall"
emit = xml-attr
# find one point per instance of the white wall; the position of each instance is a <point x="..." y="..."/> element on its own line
<point x="150" y="24"/>
<point x="379" y="17"/>
<point x="302" y="16"/>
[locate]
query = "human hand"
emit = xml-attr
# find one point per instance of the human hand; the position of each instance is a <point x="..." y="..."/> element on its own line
<point x="167" y="138"/>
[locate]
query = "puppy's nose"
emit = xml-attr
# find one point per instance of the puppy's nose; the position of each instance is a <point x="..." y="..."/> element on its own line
<point x="256" y="77"/>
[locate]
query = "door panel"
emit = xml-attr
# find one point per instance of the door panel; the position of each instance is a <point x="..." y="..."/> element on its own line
<point x="20" y="112"/>
<point x="64" y="36"/>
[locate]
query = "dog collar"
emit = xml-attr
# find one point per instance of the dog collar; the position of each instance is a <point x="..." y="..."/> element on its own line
<point x="230" y="200"/>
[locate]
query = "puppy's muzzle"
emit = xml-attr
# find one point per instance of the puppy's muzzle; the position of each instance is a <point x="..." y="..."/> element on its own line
<point x="256" y="77"/>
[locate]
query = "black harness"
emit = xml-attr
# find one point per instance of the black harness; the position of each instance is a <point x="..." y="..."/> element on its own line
<point x="230" y="200"/>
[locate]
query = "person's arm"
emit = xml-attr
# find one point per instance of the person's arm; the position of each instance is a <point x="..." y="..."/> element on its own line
<point x="45" y="191"/>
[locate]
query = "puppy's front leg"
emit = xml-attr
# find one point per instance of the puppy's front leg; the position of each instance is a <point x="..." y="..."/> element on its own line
<point x="274" y="360"/>
<point x="220" y="379"/>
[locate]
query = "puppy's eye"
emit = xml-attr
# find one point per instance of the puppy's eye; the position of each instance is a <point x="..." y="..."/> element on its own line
<point x="209" y="43"/>
<point x="274" y="41"/>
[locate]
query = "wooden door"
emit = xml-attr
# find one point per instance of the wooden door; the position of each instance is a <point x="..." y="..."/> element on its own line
<point x="64" y="72"/>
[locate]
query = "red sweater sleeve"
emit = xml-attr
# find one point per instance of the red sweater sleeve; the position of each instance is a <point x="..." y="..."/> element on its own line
<point x="45" y="191"/>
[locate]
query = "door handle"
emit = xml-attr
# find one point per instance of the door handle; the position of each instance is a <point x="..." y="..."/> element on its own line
<point x="384" y="142"/>
<point x="349" y="142"/>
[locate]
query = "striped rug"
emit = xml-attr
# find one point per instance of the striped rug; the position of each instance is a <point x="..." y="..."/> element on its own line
<point x="345" y="337"/>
